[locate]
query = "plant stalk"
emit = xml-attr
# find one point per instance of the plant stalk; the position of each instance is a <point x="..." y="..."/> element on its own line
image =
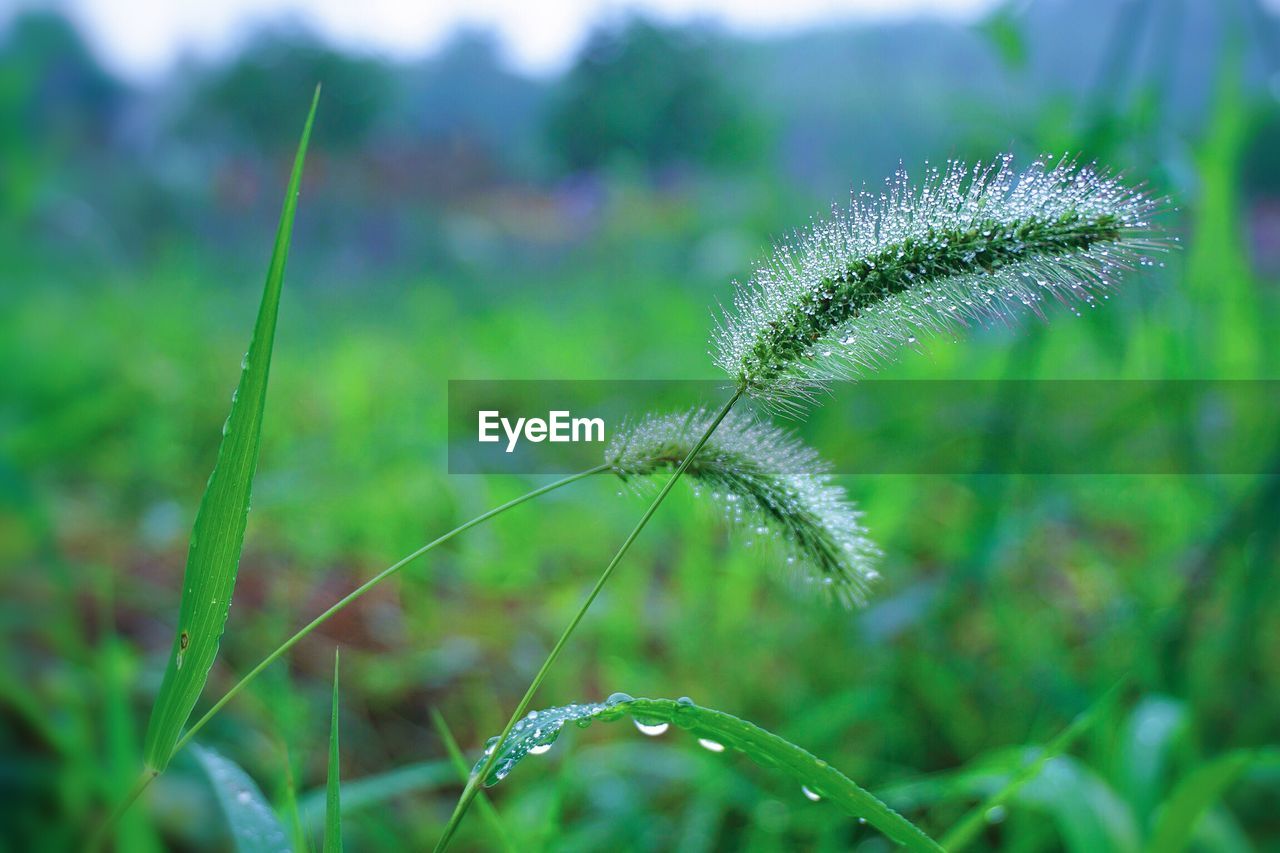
<point x="477" y="779"/>
<point x="365" y="587"/>
<point x="149" y="774"/>
<point x="99" y="837"/>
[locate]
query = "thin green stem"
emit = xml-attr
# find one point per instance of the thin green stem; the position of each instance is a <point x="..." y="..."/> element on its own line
<point x="99" y="837"/>
<point x="365" y="587"/>
<point x="477" y="779"/>
<point x="967" y="829"/>
<point x="149" y="774"/>
<point x="487" y="811"/>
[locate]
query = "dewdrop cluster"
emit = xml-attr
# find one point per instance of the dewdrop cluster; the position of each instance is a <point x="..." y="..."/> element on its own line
<point x="968" y="245"/>
<point x="535" y="735"/>
<point x="766" y="481"/>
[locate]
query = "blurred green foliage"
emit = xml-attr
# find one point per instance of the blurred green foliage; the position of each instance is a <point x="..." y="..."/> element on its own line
<point x="447" y="231"/>
<point x="651" y="93"/>
<point x="243" y="102"/>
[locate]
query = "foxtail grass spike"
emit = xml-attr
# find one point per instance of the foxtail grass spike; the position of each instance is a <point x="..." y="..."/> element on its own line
<point x="766" y="481"/>
<point x="965" y="246"/>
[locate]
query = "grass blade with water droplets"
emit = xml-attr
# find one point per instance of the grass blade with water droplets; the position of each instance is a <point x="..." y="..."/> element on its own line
<point x="715" y="731"/>
<point x="254" y="826"/>
<point x="333" y="788"/>
<point x="1177" y="819"/>
<point x="213" y="557"/>
<point x="358" y="794"/>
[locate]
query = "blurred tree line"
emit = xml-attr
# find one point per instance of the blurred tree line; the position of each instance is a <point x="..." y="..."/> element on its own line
<point x="131" y="167"/>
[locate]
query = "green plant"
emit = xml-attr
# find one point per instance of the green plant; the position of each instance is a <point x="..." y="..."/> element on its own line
<point x="965" y="246"/>
<point x="715" y="731"/>
<point x="763" y="479"/>
<point x="213" y="557"/>
<point x="333" y="787"/>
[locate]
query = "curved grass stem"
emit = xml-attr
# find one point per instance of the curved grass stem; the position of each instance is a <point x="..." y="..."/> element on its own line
<point x="104" y="830"/>
<point x="477" y="779"/>
<point x="148" y="774"/>
<point x="365" y="587"/>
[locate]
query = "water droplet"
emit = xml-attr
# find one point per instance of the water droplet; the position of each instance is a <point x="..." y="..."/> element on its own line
<point x="711" y="745"/>
<point x="652" y="730"/>
<point x="619" y="698"/>
<point x="810" y="793"/>
<point x="996" y="814"/>
<point x="540" y="749"/>
<point x="244" y="796"/>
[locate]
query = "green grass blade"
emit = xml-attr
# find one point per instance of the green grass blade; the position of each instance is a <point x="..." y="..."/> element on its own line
<point x="1157" y="727"/>
<point x="333" y="797"/>
<point x="213" y="556"/>
<point x="254" y="826"/>
<point x="716" y="731"/>
<point x="969" y="826"/>
<point x="1177" y="819"/>
<point x="459" y="762"/>
<point x="377" y="789"/>
<point x="115" y="664"/>
<point x="288" y="807"/>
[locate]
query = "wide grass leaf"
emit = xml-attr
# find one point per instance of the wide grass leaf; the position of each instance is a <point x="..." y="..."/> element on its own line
<point x="1177" y="819"/>
<point x="968" y="828"/>
<point x="254" y="826"/>
<point x="377" y="789"/>
<point x="717" y="732"/>
<point x="213" y="557"/>
<point x="333" y="790"/>
<point x="1155" y="731"/>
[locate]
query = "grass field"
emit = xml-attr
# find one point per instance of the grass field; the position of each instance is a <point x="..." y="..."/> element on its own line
<point x="1008" y="605"/>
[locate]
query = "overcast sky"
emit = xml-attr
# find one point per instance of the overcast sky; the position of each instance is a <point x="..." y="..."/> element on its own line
<point x="140" y="38"/>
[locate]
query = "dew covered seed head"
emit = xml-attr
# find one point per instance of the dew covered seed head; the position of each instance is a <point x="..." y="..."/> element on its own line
<point x="766" y="481"/>
<point x="966" y="245"/>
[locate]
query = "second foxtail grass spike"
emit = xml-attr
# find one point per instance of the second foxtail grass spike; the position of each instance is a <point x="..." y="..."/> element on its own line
<point x="766" y="480"/>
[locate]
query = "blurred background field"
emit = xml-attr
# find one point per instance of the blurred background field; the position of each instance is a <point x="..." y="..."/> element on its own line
<point x="462" y="217"/>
